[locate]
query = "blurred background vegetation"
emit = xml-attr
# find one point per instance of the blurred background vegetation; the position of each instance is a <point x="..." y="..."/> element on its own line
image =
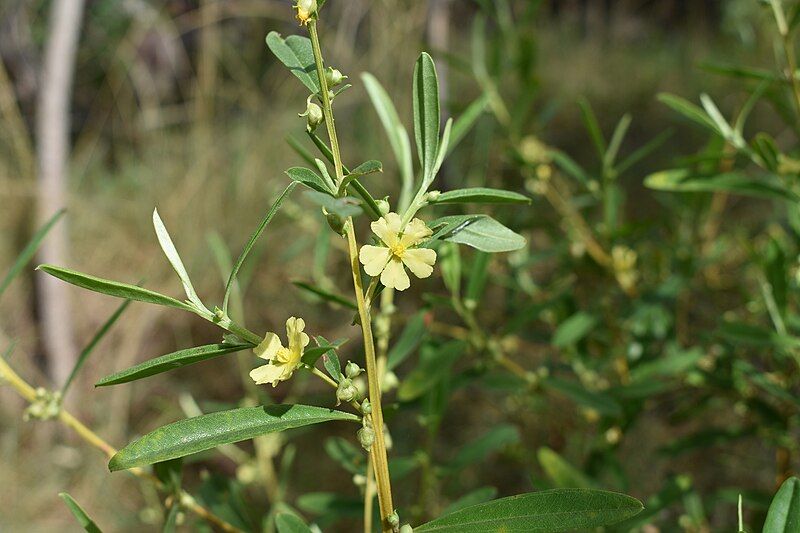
<point x="178" y="104"/>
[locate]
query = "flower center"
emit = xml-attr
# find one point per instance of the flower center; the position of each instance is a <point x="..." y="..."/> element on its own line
<point x="397" y="250"/>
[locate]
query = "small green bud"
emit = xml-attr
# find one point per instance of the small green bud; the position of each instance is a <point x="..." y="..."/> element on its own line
<point x="432" y="195"/>
<point x="352" y="370"/>
<point x="334" y="77"/>
<point x="219" y="314"/>
<point x="366" y="407"/>
<point x="405" y="528"/>
<point x="366" y="437"/>
<point x="394" y="520"/>
<point x="336" y="222"/>
<point x="383" y="206"/>
<point x="346" y="392"/>
<point x="313" y="114"/>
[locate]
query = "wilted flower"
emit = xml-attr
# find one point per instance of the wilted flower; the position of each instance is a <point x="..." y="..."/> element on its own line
<point x="305" y="10"/>
<point x="398" y="250"/>
<point x="282" y="361"/>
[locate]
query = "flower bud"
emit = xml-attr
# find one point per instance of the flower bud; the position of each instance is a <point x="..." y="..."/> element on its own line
<point x="346" y="391"/>
<point x="383" y="206"/>
<point x="313" y="114"/>
<point x="336" y="222"/>
<point x="334" y="77"/>
<point x="366" y="437"/>
<point x="305" y="10"/>
<point x="432" y="195"/>
<point x="405" y="528"/>
<point x="394" y="520"/>
<point x="352" y="370"/>
<point x="366" y="407"/>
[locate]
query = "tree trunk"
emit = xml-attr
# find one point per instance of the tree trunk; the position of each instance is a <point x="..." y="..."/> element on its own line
<point x="53" y="141"/>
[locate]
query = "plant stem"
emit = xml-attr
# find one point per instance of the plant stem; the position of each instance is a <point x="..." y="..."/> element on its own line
<point x="29" y="394"/>
<point x="378" y="452"/>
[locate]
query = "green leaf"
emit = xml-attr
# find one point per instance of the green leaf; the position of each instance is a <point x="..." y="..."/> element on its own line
<point x="29" y="251"/>
<point x="311" y="355"/>
<point x="684" y="180"/>
<point x="92" y="343"/>
<point x="478" y="231"/>
<point x="174" y="259"/>
<point x="674" y="362"/>
<point x="309" y="178"/>
<point x="599" y="401"/>
<point x="171" y="523"/>
<point x="573" y="329"/>
<point x="689" y="110"/>
<point x="593" y="127"/>
<point x="477" y="276"/>
<point x="616" y="141"/>
<point x="427" y="116"/>
<point x="325" y="295"/>
<point x="467" y="120"/>
<point x="346" y="206"/>
<point x="549" y="510"/>
<point x="79" y="514"/>
<point x="251" y="242"/>
<point x="369" y="167"/>
<point x="413" y="334"/>
<point x="112" y="288"/>
<point x="784" y="511"/>
<point x="432" y="367"/>
<point x="296" y="53"/>
<point x="330" y="360"/>
<point x="480" y="195"/>
<point x="171" y="361"/>
<point x="289" y="523"/>
<point x="170" y="473"/>
<point x="204" y="432"/>
<point x="560" y="472"/>
<point x="492" y="441"/>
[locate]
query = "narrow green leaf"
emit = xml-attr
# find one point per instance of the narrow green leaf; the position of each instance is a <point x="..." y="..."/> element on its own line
<point x="296" y="53"/>
<point x="442" y="149"/>
<point x="689" y="110"/>
<point x="549" y="510"/>
<point x="171" y="523"/>
<point x="309" y="178"/>
<point x="573" y="329"/>
<point x="467" y="120"/>
<point x="251" y="242"/>
<point x="310" y="355"/>
<point x="79" y="514"/>
<point x="683" y="180"/>
<point x="204" y="432"/>
<point x="90" y="347"/>
<point x="395" y="131"/>
<point x="481" y="195"/>
<point x="325" y="295"/>
<point x="369" y="167"/>
<point x="29" y="251"/>
<point x="289" y="523"/>
<point x="171" y="361"/>
<point x="784" y="511"/>
<point x="427" y="116"/>
<point x="174" y="258"/>
<point x="413" y="334"/>
<point x="112" y="288"/>
<point x="478" y="231"/>
<point x="561" y="472"/>
<point x="478" y="450"/>
<point x="593" y="127"/>
<point x="568" y="165"/>
<point x="616" y="141"/>
<point x="477" y="276"/>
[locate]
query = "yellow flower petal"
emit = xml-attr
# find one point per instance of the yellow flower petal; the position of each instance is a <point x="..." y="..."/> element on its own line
<point x="420" y="261"/>
<point x="268" y="348"/>
<point x="387" y="229"/>
<point x="270" y="373"/>
<point x="414" y="233"/>
<point x="297" y="339"/>
<point x="394" y="275"/>
<point x="374" y="258"/>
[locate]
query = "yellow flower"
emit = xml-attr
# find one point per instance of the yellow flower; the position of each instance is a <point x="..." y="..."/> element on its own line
<point x="397" y="250"/>
<point x="282" y="361"/>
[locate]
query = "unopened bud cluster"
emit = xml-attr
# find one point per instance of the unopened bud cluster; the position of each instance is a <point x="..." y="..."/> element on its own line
<point x="45" y="406"/>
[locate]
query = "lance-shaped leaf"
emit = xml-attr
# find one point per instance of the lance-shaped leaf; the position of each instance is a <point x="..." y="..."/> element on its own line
<point x="310" y="355"/>
<point x="80" y="515"/>
<point x="784" y="511"/>
<point x="171" y="361"/>
<point x="368" y="167"/>
<point x="481" y="232"/>
<point x="204" y="432"/>
<point x="309" y="178"/>
<point x="251" y="242"/>
<point x="426" y="113"/>
<point x="546" y="511"/>
<point x="480" y="195"/>
<point x="683" y="180"/>
<point x="296" y="53"/>
<point x="112" y="288"/>
<point x="174" y="258"/>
